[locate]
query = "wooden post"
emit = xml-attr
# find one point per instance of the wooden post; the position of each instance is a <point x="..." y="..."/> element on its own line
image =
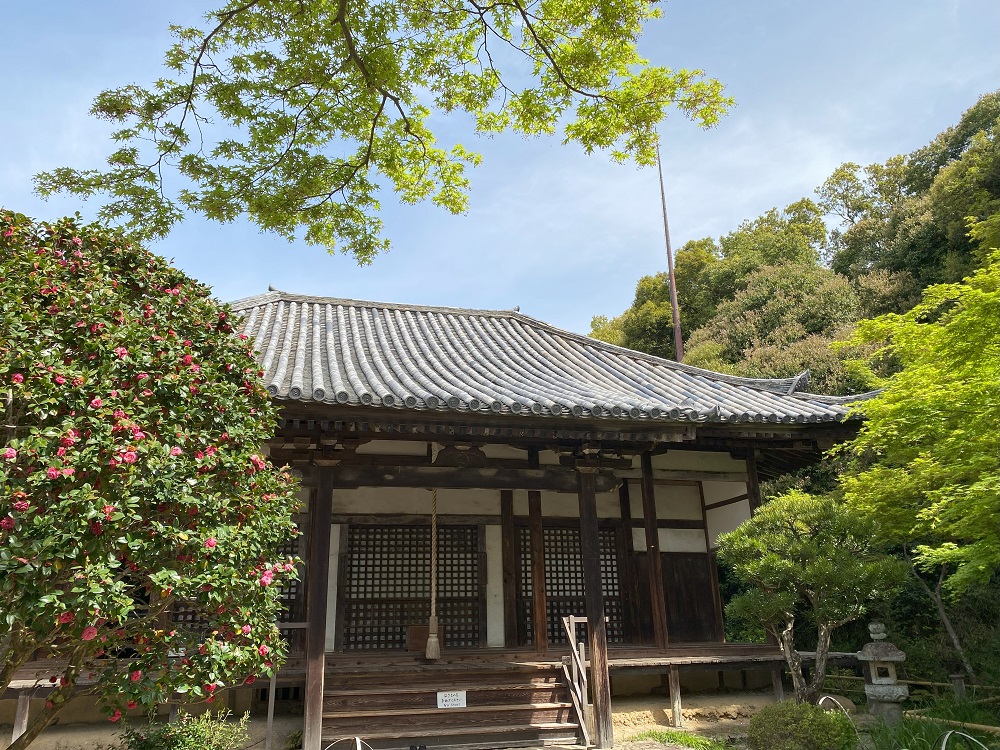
<point x="776" y="683"/>
<point x="21" y="715"/>
<point x="317" y="586"/>
<point x="753" y="484"/>
<point x="590" y="552"/>
<point x="509" y="551"/>
<point x="656" y="593"/>
<point x="539" y="606"/>
<point x="269" y="737"/>
<point x="675" y="697"/>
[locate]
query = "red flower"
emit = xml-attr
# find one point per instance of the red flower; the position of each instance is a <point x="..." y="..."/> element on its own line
<point x="246" y="630"/>
<point x="20" y="505"/>
<point x="53" y="473"/>
<point x="210" y="543"/>
<point x="65" y="617"/>
<point x="115" y="716"/>
<point x="89" y="633"/>
<point x="263" y="650"/>
<point x="250" y="680"/>
<point x="17" y="378"/>
<point x="136" y="675"/>
<point x="267" y="578"/>
<point x="121" y="351"/>
<point x="60" y="380"/>
<point x="129" y="457"/>
<point x="107" y="510"/>
<point x="9" y="454"/>
<point x="131" y="704"/>
<point x="175" y="451"/>
<point x="68" y="471"/>
<point x="96" y="528"/>
<point x="7" y="523"/>
<point x="209" y="688"/>
<point x="96" y="403"/>
<point x="187" y="359"/>
<point x="258" y="462"/>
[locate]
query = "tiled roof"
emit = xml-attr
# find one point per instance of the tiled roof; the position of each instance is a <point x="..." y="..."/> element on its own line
<point x="393" y="356"/>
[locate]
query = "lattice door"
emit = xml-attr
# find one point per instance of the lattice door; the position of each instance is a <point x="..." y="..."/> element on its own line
<point x="564" y="589"/>
<point x="387" y="585"/>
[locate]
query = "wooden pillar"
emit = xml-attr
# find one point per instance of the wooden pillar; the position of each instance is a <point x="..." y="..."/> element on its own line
<point x="629" y="579"/>
<point x="675" y="697"/>
<point x="777" y="684"/>
<point x="753" y="484"/>
<point x="590" y="552"/>
<point x="656" y="593"/>
<point x="539" y="606"/>
<point x="21" y="714"/>
<point x="317" y="586"/>
<point x="509" y="551"/>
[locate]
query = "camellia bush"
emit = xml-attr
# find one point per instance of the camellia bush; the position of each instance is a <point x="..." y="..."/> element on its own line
<point x="133" y="481"/>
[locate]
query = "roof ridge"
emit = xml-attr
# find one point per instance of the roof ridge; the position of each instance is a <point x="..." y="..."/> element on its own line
<point x="275" y="295"/>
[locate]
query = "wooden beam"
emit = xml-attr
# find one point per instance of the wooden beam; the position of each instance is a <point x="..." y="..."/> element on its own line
<point x="674" y="475"/>
<point x="317" y="586"/>
<point x="753" y="484"/>
<point x="509" y="552"/>
<point x="414" y="519"/>
<point x="552" y="479"/>
<point x="655" y="562"/>
<point x="590" y="552"/>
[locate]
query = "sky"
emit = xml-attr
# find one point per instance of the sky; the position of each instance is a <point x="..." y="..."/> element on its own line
<point x="562" y="235"/>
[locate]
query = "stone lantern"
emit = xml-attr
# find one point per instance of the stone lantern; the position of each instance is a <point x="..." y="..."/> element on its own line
<point x="885" y="694"/>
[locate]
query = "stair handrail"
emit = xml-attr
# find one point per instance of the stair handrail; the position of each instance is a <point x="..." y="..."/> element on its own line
<point x="575" y="670"/>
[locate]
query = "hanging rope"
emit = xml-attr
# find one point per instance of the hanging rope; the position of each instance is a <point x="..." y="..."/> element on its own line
<point x="433" y="650"/>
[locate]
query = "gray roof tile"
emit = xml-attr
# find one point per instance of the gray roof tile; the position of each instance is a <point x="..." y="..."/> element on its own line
<point x="444" y="359"/>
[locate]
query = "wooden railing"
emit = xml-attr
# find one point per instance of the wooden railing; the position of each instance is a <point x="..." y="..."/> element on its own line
<point x="575" y="671"/>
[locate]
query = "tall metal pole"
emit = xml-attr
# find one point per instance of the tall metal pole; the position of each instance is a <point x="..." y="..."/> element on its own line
<point x="674" y="309"/>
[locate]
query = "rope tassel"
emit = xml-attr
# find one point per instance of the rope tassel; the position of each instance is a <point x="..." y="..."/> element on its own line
<point x="433" y="649"/>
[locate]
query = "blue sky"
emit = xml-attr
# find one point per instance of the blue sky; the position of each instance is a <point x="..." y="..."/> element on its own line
<point x="560" y="234"/>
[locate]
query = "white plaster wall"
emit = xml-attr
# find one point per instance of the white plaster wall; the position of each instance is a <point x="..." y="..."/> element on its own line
<point x="718" y="491"/>
<point x="726" y="518"/>
<point x="497" y="450"/>
<point x="682" y="540"/>
<point x="671" y="540"/>
<point x="698" y="461"/>
<point x="494" y="587"/>
<point x="411" y="500"/>
<point x="673" y="501"/>
<point x="331" y="597"/>
<point x="567" y="504"/>
<point x="393" y="448"/>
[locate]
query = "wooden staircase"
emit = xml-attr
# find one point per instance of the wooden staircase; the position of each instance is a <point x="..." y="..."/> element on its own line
<point x="506" y="705"/>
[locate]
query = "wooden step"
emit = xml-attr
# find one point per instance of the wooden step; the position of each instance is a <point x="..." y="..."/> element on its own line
<point x="426" y="697"/>
<point x="382" y="712"/>
<point x="439" y="718"/>
<point x="563" y="729"/>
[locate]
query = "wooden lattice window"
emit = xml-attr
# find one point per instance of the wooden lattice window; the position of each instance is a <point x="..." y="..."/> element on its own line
<point x="564" y="587"/>
<point x="387" y="584"/>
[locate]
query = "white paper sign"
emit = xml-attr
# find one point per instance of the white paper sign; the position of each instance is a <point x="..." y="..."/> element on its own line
<point x="451" y="699"/>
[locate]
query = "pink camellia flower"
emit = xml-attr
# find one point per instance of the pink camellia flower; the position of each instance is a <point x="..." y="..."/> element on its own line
<point x="7" y="523"/>
<point x="107" y="510"/>
<point x="21" y="505"/>
<point x="138" y="434"/>
<point x="209" y="688"/>
<point x="96" y="403"/>
<point x="187" y="359"/>
<point x="115" y="716"/>
<point x="175" y="451"/>
<point x="9" y="454"/>
<point x="250" y="680"/>
<point x="17" y="378"/>
<point x="136" y="675"/>
<point x="60" y="380"/>
<point x="266" y="578"/>
<point x="258" y="462"/>
<point x="53" y="473"/>
<point x="129" y="457"/>
<point x="210" y="543"/>
<point x="89" y="633"/>
<point x="263" y="650"/>
<point x="68" y="471"/>
<point x="246" y="629"/>
<point x="121" y="352"/>
<point x="118" y="414"/>
<point x="77" y="241"/>
<point x="131" y="704"/>
<point x="65" y="617"/>
<point x="60" y="451"/>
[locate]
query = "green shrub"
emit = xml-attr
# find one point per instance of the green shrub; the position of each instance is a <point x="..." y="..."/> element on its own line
<point x="205" y="732"/>
<point x="800" y="726"/>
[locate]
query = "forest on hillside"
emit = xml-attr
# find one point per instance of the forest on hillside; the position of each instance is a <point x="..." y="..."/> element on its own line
<point x="886" y="279"/>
